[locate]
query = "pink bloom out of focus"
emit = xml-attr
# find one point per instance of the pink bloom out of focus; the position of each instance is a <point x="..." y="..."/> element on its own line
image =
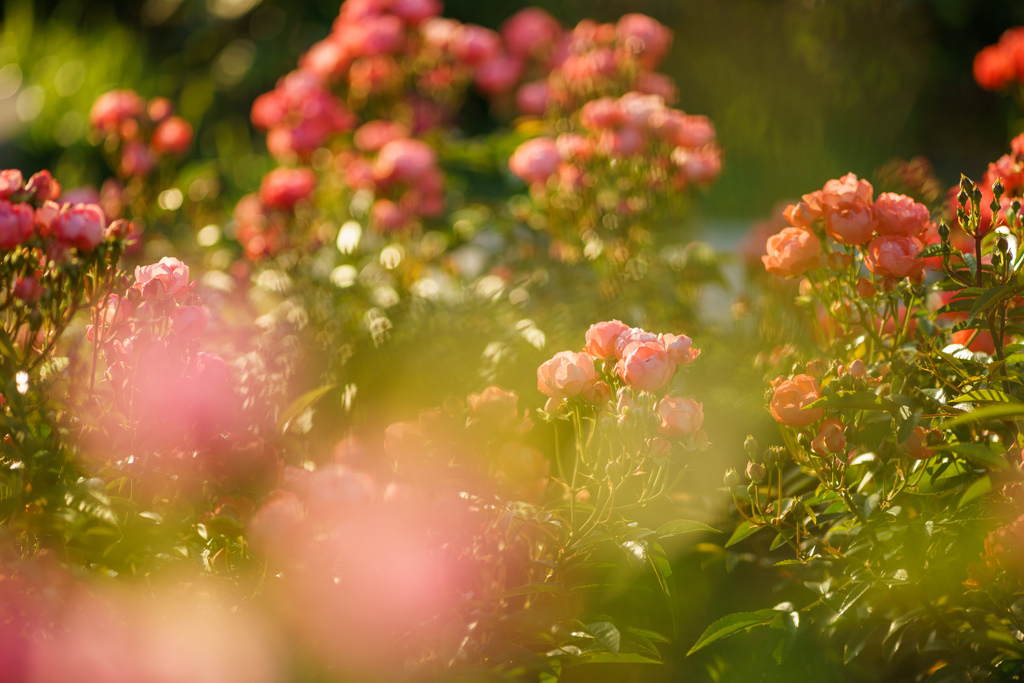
<point x="680" y="416"/>
<point x="172" y="136"/>
<point x="283" y="188"/>
<point x="166" y="279"/>
<point x="81" y="226"/>
<point x="535" y="160"/>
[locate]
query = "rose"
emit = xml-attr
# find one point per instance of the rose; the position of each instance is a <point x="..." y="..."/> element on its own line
<point x="845" y="192"/>
<point x="41" y="187"/>
<point x="283" y="188"/>
<point x="172" y="136"/>
<point x="373" y="135"/>
<point x="567" y="375"/>
<point x="855" y="225"/>
<point x="405" y="160"/>
<point x="531" y="32"/>
<point x="645" y="365"/>
<point x="81" y="226"/>
<point x="387" y="215"/>
<point x="791" y="398"/>
<point x="111" y="109"/>
<point x="994" y="67"/>
<point x="680" y="416"/>
<point x="644" y="37"/>
<point x="631" y="335"/>
<point x="601" y="114"/>
<point x="638" y="108"/>
<point x="15" y="224"/>
<point x="190" y="321"/>
<point x="474" y="44"/>
<point x="792" y="252"/>
<point x="495" y="406"/>
<point x="894" y="256"/>
<point x="830" y="438"/>
<point x="11" y="182"/>
<point x="532" y="98"/>
<point x="574" y="147"/>
<point x="916" y="444"/>
<point x="535" y="160"/>
<point x="802" y="214"/>
<point x="680" y="348"/>
<point x="166" y="279"/>
<point x="602" y="337"/>
<point x="498" y="76"/>
<point x="898" y="214"/>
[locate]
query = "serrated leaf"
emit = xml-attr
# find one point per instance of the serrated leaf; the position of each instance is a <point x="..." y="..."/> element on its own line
<point x="987" y="413"/>
<point x="857" y="400"/>
<point x="732" y="624"/>
<point x="990" y="298"/>
<point x="683" y="526"/>
<point x="977" y="454"/>
<point x="985" y="396"/>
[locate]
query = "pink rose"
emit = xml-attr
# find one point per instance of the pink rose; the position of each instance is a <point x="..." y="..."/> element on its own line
<point x="574" y="147"/>
<point x="378" y="35"/>
<point x="792" y="252"/>
<point x="680" y="348"/>
<point x="405" y="160"/>
<point x="111" y="109"/>
<point x="532" y="98"/>
<point x="599" y="114"/>
<point x="136" y="159"/>
<point x="845" y="192"/>
<point x="42" y="187"/>
<point x="495" y="406"/>
<point x="602" y="337"/>
<point x="11" y="182"/>
<point x="81" y="225"/>
<point x="644" y="37"/>
<point x="680" y="416"/>
<point x="373" y="135"/>
<point x="802" y="214"/>
<point x="474" y="44"/>
<point x="535" y="160"/>
<point x="172" y="136"/>
<point x="498" y="76"/>
<point x="190" y="321"/>
<point x="387" y="215"/>
<point x="693" y="131"/>
<point x="567" y="375"/>
<point x="167" y="278"/>
<point x="698" y="165"/>
<point x="620" y="143"/>
<point x="638" y="109"/>
<point x="15" y="224"/>
<point x="898" y="214"/>
<point x="654" y="83"/>
<point x="791" y="398"/>
<point x="283" y="188"/>
<point x="645" y="365"/>
<point x="894" y="256"/>
<point x="416" y="11"/>
<point x="531" y="32"/>
<point x="854" y="225"/>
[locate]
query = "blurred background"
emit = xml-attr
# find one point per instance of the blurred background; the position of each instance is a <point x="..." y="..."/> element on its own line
<point x="800" y="90"/>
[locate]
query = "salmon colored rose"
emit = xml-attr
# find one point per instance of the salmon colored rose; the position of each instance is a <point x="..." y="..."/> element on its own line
<point x="567" y="375"/>
<point x="168" y="278"/>
<point x="894" y="256"/>
<point x="830" y="438"/>
<point x="680" y="348"/>
<point x="602" y="337"/>
<point x="680" y="416"/>
<point x="845" y="192"/>
<point x="791" y="398"/>
<point x="535" y="160"/>
<point x="792" y="252"/>
<point x="855" y="225"/>
<point x="645" y="365"/>
<point x="898" y="214"/>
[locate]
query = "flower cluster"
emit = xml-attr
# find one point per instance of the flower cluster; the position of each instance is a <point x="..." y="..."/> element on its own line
<point x="141" y="132"/>
<point x="888" y="232"/>
<point x="174" y="408"/>
<point x="999" y="65"/>
<point x="627" y="362"/>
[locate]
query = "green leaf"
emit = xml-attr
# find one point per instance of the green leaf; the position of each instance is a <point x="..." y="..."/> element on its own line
<point x="857" y="400"/>
<point x="985" y="396"/>
<point x="606" y="634"/>
<point x="742" y="531"/>
<point x="683" y="526"/>
<point x="976" y="453"/>
<point x="987" y="413"/>
<point x="990" y="298"/>
<point x="977" y="489"/>
<point x="299" y="405"/>
<point x="530" y="589"/>
<point x="621" y="658"/>
<point x="937" y="249"/>
<point x="732" y="624"/>
<point x="663" y="570"/>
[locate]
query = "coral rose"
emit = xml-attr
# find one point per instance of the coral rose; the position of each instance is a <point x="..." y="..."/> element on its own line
<point x="994" y="68"/>
<point x="172" y="136"/>
<point x="792" y="252"/>
<point x="830" y="438"/>
<point x="855" y="225"/>
<point x="680" y="348"/>
<point x="894" y="256"/>
<point x="680" y="416"/>
<point x="845" y="192"/>
<point x="405" y="160"/>
<point x="791" y="398"/>
<point x="645" y="365"/>
<point x="531" y="32"/>
<point x="283" y="188"/>
<point x="898" y="214"/>
<point x="602" y="337"/>
<point x="567" y="375"/>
